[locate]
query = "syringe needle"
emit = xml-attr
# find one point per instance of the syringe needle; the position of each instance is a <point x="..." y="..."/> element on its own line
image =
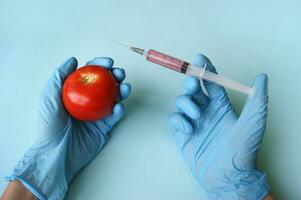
<point x="119" y="43"/>
<point x="135" y="49"/>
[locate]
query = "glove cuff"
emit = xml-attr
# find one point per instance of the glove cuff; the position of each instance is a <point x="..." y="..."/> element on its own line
<point x="248" y="185"/>
<point x="39" y="172"/>
<point x="256" y="189"/>
<point x="27" y="185"/>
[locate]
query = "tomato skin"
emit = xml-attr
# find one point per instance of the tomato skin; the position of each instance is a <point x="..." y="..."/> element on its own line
<point x="90" y="93"/>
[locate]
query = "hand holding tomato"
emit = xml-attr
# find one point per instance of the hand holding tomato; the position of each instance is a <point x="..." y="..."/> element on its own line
<point x="65" y="144"/>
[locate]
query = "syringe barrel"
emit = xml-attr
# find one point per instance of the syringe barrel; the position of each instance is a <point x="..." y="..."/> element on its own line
<point x="167" y="61"/>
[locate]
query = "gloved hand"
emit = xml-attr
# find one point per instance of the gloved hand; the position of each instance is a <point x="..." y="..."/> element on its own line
<point x="64" y="145"/>
<point x="220" y="147"/>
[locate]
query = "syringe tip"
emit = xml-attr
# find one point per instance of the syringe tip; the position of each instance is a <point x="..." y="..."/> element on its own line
<point x="138" y="50"/>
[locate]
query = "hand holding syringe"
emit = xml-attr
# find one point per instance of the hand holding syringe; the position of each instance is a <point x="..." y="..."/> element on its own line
<point x="188" y="69"/>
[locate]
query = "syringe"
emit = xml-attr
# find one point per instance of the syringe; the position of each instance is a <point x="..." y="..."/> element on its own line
<point x="188" y="69"/>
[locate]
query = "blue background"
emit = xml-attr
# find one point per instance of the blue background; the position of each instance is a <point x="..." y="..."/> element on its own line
<point x="242" y="38"/>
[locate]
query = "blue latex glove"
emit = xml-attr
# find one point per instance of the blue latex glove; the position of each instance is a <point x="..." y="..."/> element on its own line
<point x="220" y="147"/>
<point x="64" y="145"/>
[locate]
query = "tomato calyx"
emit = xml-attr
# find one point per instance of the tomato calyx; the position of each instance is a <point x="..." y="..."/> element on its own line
<point x="88" y="78"/>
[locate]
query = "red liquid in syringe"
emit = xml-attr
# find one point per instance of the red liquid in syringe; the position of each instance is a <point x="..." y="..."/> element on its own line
<point x="167" y="61"/>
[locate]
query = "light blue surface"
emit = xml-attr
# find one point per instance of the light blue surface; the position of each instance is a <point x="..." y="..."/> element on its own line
<point x="242" y="38"/>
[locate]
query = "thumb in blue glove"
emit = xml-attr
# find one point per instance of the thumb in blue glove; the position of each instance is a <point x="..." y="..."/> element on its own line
<point x="64" y="145"/>
<point x="220" y="147"/>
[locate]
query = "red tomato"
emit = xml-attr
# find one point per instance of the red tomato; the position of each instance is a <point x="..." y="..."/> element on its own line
<point x="90" y="93"/>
